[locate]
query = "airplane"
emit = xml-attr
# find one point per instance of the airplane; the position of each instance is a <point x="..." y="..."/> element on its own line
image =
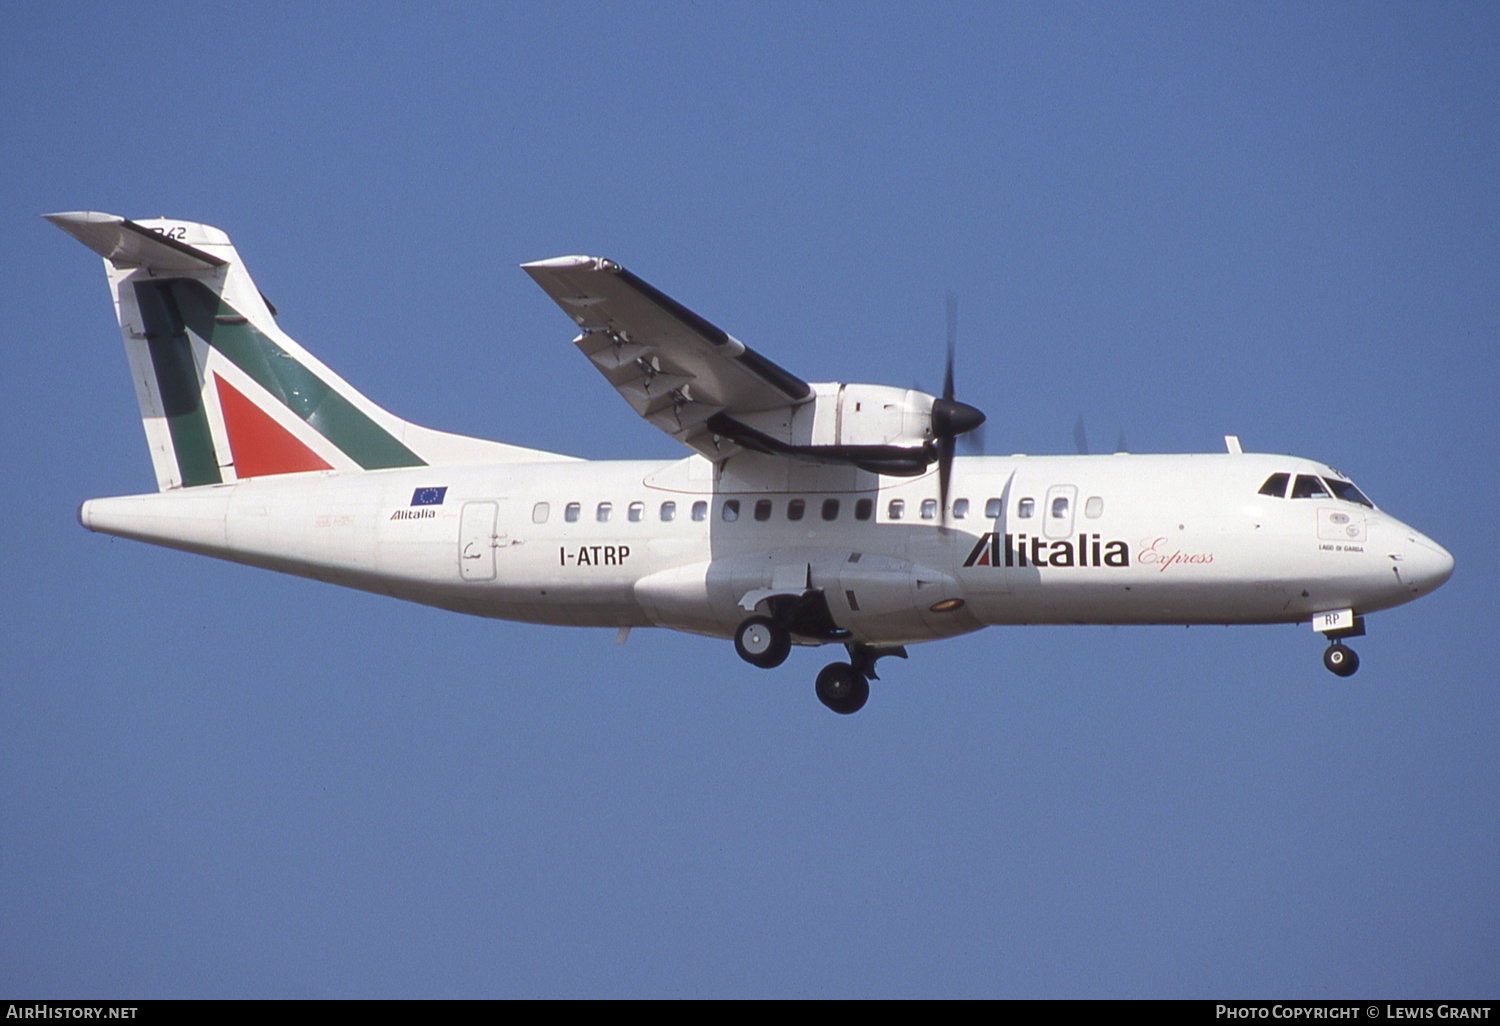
<point x="806" y="514"/>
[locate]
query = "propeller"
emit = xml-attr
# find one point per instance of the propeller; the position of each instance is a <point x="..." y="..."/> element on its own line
<point x="950" y="418"/>
<point x="1081" y="438"/>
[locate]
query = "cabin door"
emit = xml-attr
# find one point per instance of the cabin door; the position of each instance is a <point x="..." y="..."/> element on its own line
<point x="479" y="539"/>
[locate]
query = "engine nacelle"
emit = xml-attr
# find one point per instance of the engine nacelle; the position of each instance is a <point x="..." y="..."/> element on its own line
<point x="878" y="427"/>
<point x="870" y="415"/>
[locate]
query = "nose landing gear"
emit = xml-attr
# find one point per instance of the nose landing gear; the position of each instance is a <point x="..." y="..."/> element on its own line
<point x="1337" y="626"/>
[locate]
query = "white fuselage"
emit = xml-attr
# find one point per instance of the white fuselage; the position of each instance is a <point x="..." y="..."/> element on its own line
<point x="1054" y="539"/>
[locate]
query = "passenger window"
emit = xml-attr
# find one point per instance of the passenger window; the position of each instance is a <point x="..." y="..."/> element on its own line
<point x="929" y="509"/>
<point x="636" y="512"/>
<point x="668" y="511"/>
<point x="700" y="511"/>
<point x="1308" y="487"/>
<point x="795" y="509"/>
<point x="960" y="508"/>
<point x="1275" y="486"/>
<point x="1060" y="506"/>
<point x="830" y="509"/>
<point x="762" y="510"/>
<point x="1094" y="508"/>
<point x="1345" y="490"/>
<point x="540" y="512"/>
<point x="897" y="509"/>
<point x="602" y="513"/>
<point x="731" y="511"/>
<point x="1025" y="508"/>
<point x="992" y="508"/>
<point x="863" y="508"/>
<point x="571" y="511"/>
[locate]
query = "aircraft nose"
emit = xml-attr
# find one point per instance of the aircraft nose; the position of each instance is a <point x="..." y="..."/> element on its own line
<point x="1427" y="565"/>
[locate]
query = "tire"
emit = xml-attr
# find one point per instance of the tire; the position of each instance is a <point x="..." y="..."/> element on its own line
<point x="1340" y="660"/>
<point x="843" y="688"/>
<point x="763" y="642"/>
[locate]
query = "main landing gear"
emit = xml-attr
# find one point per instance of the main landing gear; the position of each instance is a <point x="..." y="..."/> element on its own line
<point x="762" y="642"/>
<point x="843" y="687"/>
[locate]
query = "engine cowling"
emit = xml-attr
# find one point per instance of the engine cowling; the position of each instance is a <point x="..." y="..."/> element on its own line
<point x="879" y="428"/>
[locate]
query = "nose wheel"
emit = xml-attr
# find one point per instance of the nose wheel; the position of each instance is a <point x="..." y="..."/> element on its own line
<point x="1340" y="659"/>
<point x="1337" y="626"/>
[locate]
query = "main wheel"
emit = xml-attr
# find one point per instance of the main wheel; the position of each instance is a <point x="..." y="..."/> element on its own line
<point x="1341" y="660"/>
<point x="843" y="688"/>
<point x="762" y="642"/>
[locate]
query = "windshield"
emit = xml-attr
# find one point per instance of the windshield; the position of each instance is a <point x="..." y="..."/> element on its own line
<point x="1308" y="487"/>
<point x="1345" y="490"/>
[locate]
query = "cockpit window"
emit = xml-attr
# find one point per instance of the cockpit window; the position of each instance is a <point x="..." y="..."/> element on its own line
<point x="1345" y="490"/>
<point x="1275" y="486"/>
<point x="1308" y="487"/>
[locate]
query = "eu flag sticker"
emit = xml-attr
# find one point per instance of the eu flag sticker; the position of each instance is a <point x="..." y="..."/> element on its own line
<point x="428" y="496"/>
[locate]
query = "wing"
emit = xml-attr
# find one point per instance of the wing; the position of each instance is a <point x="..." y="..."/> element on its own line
<point x="673" y="367"/>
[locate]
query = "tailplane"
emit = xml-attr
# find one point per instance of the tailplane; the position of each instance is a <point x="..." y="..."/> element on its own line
<point x="225" y="394"/>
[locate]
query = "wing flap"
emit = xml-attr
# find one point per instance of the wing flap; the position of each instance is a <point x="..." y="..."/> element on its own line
<point x="674" y="367"/>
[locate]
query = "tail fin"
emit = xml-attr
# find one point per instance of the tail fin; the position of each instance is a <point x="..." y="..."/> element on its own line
<point x="225" y="394"/>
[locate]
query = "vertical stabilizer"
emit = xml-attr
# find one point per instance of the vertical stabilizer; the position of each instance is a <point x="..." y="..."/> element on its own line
<point x="224" y="393"/>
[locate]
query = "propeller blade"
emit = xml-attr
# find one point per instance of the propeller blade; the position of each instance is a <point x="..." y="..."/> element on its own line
<point x="945" y="476"/>
<point x="952" y="343"/>
<point x="951" y="418"/>
<point x="1080" y="437"/>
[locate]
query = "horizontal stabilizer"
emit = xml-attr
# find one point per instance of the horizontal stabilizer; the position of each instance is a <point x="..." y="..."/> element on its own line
<point x="128" y="244"/>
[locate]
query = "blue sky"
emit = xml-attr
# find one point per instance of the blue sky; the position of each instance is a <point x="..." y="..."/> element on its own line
<point x="1180" y="221"/>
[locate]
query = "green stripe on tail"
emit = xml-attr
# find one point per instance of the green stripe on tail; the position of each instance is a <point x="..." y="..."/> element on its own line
<point x="278" y="372"/>
<point x="178" y="382"/>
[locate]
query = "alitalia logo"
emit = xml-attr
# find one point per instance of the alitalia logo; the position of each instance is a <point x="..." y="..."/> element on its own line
<point x="993" y="549"/>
